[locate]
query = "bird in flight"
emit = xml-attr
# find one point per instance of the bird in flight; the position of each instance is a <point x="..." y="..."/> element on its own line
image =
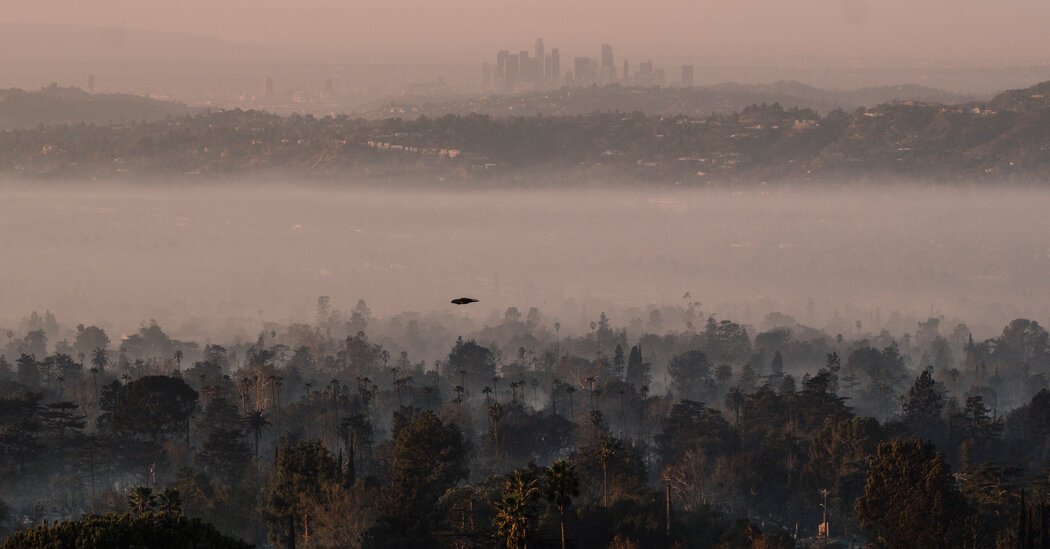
<point x="463" y="300"/>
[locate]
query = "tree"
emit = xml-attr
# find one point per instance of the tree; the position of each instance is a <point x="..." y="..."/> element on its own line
<point x="169" y="501"/>
<point x="428" y="457"/>
<point x="89" y="338"/>
<point x="637" y="372"/>
<point x="141" y="499"/>
<point x="129" y="531"/>
<point x="100" y="359"/>
<point x="561" y="484"/>
<point x="1023" y="343"/>
<point x="474" y="363"/>
<point x="296" y="480"/>
<point x="923" y="406"/>
<point x="692" y="426"/>
<point x="254" y="424"/>
<point x="910" y="498"/>
<point x="516" y="509"/>
<point x="691" y="375"/>
<point x="154" y="406"/>
<point x="28" y="371"/>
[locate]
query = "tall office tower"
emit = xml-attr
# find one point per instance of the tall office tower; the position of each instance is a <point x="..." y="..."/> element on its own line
<point x="486" y="76"/>
<point x="501" y="65"/>
<point x="626" y="72"/>
<point x="607" y="69"/>
<point x="555" y="66"/>
<point x="584" y="73"/>
<point x="513" y="71"/>
<point x="687" y="76"/>
<point x="91" y="83"/>
<point x="524" y="66"/>
<point x="267" y="87"/>
<point x="645" y="68"/>
<point x="541" y="74"/>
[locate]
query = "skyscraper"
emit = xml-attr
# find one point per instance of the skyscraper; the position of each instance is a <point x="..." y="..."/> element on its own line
<point x="501" y="65"/>
<point x="607" y="68"/>
<point x="583" y="71"/>
<point x="555" y="66"/>
<point x="626" y="72"/>
<point x="541" y="74"/>
<point x="91" y="83"/>
<point x="512" y="72"/>
<point x="687" y="76"/>
<point x="524" y="67"/>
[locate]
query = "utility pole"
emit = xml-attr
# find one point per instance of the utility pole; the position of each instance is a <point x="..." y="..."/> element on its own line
<point x="667" y="505"/>
<point x="825" y="530"/>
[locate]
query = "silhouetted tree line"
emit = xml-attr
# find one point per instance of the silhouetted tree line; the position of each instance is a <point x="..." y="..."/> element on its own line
<point x="711" y="435"/>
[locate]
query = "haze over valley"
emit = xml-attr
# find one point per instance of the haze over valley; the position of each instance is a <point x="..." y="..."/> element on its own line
<point x="534" y="275"/>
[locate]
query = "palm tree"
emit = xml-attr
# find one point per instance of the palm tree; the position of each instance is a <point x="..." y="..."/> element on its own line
<point x="100" y="358"/>
<point x="562" y="484"/>
<point x="169" y="501"/>
<point x="495" y="415"/>
<point x="605" y="453"/>
<point x="570" y="390"/>
<point x="140" y="499"/>
<point x="254" y="423"/>
<point x="515" y="512"/>
<point x="735" y="401"/>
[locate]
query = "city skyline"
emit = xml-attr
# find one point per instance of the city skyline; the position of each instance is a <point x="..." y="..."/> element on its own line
<point x="518" y="71"/>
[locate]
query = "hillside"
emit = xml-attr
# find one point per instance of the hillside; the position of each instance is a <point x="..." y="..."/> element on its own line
<point x="53" y="105"/>
<point x="1004" y="139"/>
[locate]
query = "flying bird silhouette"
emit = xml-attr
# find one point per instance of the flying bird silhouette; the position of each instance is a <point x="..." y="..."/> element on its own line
<point x="464" y="300"/>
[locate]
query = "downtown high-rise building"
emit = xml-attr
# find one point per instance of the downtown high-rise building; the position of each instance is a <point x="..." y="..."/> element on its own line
<point x="555" y="66"/>
<point x="540" y="55"/>
<point x="687" y="76"/>
<point x="584" y="71"/>
<point x="512" y="72"/>
<point x="607" y="67"/>
<point x="536" y="71"/>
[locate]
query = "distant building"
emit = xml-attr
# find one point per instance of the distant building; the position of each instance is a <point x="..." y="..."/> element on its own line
<point x="540" y="57"/>
<point x="511" y="72"/>
<point x="555" y="66"/>
<point x="687" y="76"/>
<point x="501" y="64"/>
<point x="524" y="66"/>
<point x="584" y="72"/>
<point x="607" y="69"/>
<point x="626" y="72"/>
<point x="267" y="87"/>
<point x="91" y="83"/>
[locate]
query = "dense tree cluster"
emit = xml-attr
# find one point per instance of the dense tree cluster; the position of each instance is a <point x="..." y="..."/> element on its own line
<point x="678" y="429"/>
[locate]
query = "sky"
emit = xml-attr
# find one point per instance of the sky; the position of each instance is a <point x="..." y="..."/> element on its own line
<point x="895" y="30"/>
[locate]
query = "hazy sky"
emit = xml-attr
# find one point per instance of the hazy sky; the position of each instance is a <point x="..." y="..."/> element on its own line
<point x="752" y="29"/>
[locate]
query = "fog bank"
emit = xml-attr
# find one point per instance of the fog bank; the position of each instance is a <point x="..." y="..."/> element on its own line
<point x="117" y="255"/>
